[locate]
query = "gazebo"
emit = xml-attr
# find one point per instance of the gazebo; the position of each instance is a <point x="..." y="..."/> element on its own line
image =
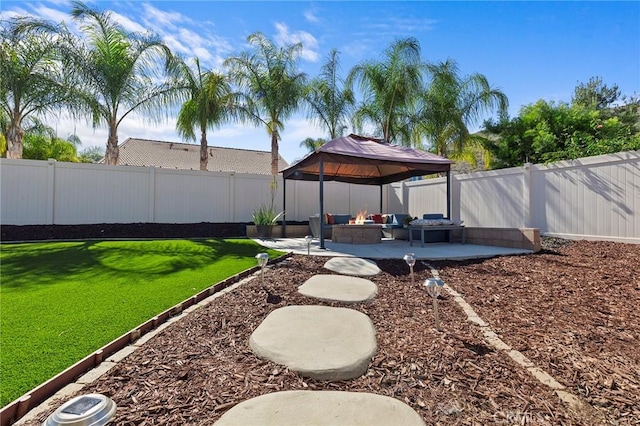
<point x="366" y="161"/>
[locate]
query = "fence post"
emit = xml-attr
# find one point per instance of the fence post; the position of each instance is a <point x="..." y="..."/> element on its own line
<point x="526" y="195"/>
<point x="51" y="190"/>
<point x="232" y="196"/>
<point x="456" y="202"/>
<point x="151" y="211"/>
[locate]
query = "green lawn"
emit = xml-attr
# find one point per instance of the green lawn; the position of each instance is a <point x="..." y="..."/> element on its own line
<point x="61" y="301"/>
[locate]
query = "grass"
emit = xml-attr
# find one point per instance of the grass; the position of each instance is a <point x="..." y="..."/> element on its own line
<point x="61" y="301"/>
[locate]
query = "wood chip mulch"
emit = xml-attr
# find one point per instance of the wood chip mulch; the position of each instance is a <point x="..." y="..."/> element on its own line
<point x="573" y="311"/>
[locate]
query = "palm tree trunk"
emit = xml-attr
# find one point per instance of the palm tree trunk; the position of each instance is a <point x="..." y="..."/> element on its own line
<point x="204" y="155"/>
<point x="274" y="153"/>
<point x="14" y="139"/>
<point x="113" y="151"/>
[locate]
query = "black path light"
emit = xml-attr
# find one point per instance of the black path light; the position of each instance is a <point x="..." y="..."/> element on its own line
<point x="308" y="239"/>
<point x="91" y="409"/>
<point x="262" y="258"/>
<point x="434" y="286"/>
<point x="410" y="258"/>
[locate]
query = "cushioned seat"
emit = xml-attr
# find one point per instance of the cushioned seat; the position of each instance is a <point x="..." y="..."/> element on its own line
<point x="393" y="227"/>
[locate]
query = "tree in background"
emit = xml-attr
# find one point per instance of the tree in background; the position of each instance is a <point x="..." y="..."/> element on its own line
<point x="312" y="144"/>
<point x="270" y="86"/>
<point x="389" y="87"/>
<point x="329" y="101"/>
<point x="41" y="143"/>
<point x="4" y="125"/>
<point x="209" y="105"/>
<point x="92" y="154"/>
<point x="594" y="94"/>
<point x="75" y="140"/>
<point x="545" y="131"/>
<point x="115" y="73"/>
<point x="448" y="105"/>
<point x="31" y="79"/>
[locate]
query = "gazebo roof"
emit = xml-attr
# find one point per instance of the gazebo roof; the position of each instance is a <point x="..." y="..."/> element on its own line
<point x="368" y="161"/>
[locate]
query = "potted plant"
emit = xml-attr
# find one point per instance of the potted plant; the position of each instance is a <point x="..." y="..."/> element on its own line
<point x="264" y="217"/>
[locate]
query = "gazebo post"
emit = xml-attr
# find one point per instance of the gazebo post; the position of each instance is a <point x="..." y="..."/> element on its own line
<point x="449" y="194"/>
<point x="321" y="178"/>
<point x="381" y="198"/>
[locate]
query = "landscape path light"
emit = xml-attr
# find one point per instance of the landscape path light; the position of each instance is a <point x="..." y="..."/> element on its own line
<point x="410" y="258"/>
<point x="308" y="239"/>
<point x="91" y="409"/>
<point x="263" y="258"/>
<point x="434" y="286"/>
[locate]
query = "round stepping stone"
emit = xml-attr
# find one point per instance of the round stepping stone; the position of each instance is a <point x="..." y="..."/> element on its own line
<point x="320" y="342"/>
<point x="339" y="287"/>
<point x="352" y="266"/>
<point x="321" y="408"/>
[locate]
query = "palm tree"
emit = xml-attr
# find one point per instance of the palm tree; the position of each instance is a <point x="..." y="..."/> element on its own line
<point x="449" y="104"/>
<point x="329" y="101"/>
<point x="389" y="88"/>
<point x="117" y="73"/>
<point x="270" y="86"/>
<point x="209" y="105"/>
<point x="31" y="80"/>
<point x="312" y="144"/>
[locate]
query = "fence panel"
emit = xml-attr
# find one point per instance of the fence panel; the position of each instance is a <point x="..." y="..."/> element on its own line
<point x="590" y="197"/>
<point x="185" y="196"/>
<point x="395" y="194"/>
<point x="24" y="191"/>
<point x="96" y="193"/>
<point x="427" y="196"/>
<point x="492" y="199"/>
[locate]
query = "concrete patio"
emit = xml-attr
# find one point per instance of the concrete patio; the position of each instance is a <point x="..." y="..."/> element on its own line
<point x="390" y="249"/>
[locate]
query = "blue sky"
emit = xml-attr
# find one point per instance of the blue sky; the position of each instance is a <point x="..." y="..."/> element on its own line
<point x="530" y="50"/>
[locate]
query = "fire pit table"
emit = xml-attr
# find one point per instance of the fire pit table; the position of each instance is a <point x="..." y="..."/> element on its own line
<point x="367" y="233"/>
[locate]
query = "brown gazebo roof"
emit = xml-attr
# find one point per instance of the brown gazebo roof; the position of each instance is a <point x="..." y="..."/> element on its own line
<point x="363" y="160"/>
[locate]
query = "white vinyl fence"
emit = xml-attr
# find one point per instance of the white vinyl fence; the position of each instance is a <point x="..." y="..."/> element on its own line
<point x="49" y="192"/>
<point x="589" y="198"/>
<point x="593" y="198"/>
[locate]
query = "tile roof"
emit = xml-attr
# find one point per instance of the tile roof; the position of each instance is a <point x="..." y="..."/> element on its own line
<point x="174" y="155"/>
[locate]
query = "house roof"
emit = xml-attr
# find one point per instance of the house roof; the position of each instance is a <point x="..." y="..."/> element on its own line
<point x="368" y="161"/>
<point x="174" y="155"/>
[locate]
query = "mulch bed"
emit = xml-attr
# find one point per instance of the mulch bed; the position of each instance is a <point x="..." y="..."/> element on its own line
<point x="572" y="310"/>
<point x="121" y="230"/>
<point x="574" y="313"/>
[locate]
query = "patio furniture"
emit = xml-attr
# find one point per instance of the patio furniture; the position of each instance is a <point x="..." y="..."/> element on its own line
<point x="393" y="227"/>
<point x="330" y="221"/>
<point x="430" y="228"/>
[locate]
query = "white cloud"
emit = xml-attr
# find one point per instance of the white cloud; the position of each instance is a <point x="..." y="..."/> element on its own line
<point x="309" y="42"/>
<point x="394" y="26"/>
<point x="128" y="24"/>
<point x="159" y="18"/>
<point x="8" y="14"/>
<point x="311" y="17"/>
<point x="51" y="14"/>
<point x="295" y="131"/>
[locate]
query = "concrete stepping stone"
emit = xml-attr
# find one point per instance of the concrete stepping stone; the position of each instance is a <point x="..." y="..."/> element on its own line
<point x="352" y="266"/>
<point x="339" y="287"/>
<point x="320" y="342"/>
<point x="294" y="408"/>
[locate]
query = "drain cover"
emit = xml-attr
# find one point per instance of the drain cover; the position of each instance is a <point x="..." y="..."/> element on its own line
<point x="85" y="410"/>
